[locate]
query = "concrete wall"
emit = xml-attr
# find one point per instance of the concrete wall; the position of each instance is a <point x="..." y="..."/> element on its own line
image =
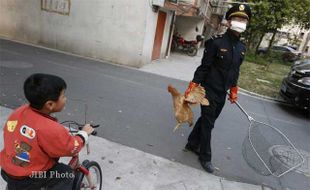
<point x="305" y="44"/>
<point x="186" y="26"/>
<point x="119" y="31"/>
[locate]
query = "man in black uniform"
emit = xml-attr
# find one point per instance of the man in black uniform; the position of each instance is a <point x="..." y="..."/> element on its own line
<point x="218" y="72"/>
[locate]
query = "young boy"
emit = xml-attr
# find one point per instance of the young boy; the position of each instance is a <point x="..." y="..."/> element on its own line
<point x="34" y="141"/>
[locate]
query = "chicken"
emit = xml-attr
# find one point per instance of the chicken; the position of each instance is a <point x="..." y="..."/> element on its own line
<point x="182" y="110"/>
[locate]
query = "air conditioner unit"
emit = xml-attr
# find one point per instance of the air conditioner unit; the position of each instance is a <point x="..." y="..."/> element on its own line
<point x="159" y="3"/>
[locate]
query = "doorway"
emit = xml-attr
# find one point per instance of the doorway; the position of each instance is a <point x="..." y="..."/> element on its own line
<point x="161" y="21"/>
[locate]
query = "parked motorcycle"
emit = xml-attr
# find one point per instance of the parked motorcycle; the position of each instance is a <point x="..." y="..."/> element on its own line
<point x="189" y="47"/>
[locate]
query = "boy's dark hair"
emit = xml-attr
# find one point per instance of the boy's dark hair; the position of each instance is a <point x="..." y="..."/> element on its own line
<point x="40" y="88"/>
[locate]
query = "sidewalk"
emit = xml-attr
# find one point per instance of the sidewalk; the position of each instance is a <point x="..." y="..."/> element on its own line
<point x="131" y="169"/>
<point x="178" y="66"/>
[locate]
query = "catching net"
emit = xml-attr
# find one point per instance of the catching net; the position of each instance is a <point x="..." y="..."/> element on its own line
<point x="268" y="151"/>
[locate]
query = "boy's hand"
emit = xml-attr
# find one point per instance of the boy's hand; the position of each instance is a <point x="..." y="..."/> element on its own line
<point x="88" y="129"/>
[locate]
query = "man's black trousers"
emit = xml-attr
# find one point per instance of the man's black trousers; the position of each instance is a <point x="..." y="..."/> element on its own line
<point x="200" y="137"/>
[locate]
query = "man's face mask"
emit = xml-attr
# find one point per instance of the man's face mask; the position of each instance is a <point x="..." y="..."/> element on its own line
<point x="238" y="26"/>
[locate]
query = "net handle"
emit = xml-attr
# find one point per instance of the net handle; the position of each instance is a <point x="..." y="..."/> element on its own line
<point x="241" y="108"/>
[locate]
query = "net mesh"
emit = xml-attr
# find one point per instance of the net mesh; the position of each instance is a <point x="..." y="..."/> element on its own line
<point x="268" y="151"/>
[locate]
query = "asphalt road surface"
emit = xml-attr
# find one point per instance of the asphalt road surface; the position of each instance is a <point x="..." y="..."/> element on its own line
<point x="135" y="109"/>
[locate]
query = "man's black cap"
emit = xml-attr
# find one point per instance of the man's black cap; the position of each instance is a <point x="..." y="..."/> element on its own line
<point x="239" y="10"/>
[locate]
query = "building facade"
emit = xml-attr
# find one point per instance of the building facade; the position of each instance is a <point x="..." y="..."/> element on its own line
<point x="131" y="33"/>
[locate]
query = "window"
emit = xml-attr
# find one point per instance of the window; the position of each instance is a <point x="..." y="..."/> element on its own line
<point x="56" y="6"/>
<point x="174" y="1"/>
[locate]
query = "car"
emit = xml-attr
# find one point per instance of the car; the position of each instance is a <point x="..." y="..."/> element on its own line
<point x="294" y="47"/>
<point x="288" y="53"/>
<point x="299" y="62"/>
<point x="295" y="88"/>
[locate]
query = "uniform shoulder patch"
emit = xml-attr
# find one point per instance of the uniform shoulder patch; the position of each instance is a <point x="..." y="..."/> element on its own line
<point x="243" y="45"/>
<point x="242" y="40"/>
<point x="216" y="36"/>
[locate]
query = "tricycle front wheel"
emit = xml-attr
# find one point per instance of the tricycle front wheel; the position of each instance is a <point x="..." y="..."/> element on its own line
<point x="82" y="183"/>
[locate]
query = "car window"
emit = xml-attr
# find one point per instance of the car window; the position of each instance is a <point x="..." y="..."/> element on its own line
<point x="289" y="49"/>
<point x="275" y="47"/>
<point x="305" y="62"/>
<point x="281" y="48"/>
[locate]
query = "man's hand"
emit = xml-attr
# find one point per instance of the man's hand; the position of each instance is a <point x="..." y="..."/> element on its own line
<point x="190" y="88"/>
<point x="88" y="129"/>
<point x="233" y="95"/>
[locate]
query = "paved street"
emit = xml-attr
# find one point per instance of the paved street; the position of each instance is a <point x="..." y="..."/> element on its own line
<point x="135" y="110"/>
<point x="126" y="167"/>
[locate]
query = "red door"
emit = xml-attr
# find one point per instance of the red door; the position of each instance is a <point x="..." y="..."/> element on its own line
<point x="159" y="34"/>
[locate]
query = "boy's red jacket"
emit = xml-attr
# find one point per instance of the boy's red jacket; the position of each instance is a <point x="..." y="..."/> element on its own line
<point x="34" y="142"/>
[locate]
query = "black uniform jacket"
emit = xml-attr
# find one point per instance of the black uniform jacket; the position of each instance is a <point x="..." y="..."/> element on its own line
<point x="219" y="69"/>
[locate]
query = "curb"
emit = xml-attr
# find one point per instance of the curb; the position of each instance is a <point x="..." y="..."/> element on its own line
<point x="246" y="92"/>
<point x="69" y="53"/>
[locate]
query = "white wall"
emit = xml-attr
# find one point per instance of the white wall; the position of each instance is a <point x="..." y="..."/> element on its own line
<point x="186" y="26"/>
<point x="120" y="31"/>
<point x="20" y="20"/>
<point x="304" y="45"/>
